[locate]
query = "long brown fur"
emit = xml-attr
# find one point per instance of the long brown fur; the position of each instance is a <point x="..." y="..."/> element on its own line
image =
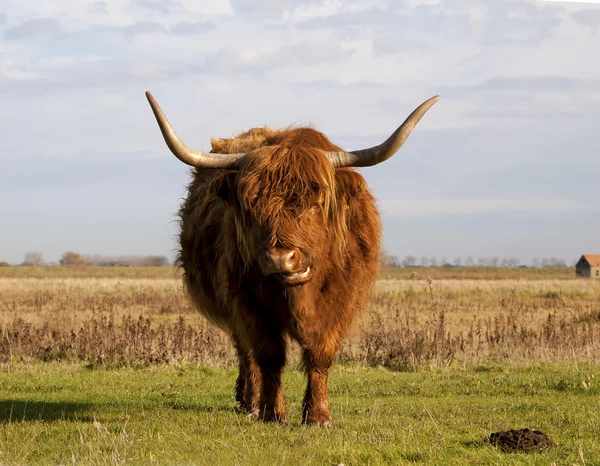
<point x="286" y="195"/>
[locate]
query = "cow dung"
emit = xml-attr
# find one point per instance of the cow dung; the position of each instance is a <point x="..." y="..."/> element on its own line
<point x="521" y="440"/>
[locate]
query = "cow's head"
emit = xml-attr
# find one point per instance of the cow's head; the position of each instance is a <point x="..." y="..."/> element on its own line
<point x="283" y="186"/>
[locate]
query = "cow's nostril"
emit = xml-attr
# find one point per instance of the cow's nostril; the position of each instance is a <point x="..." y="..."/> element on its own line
<point x="282" y="260"/>
<point x="289" y="258"/>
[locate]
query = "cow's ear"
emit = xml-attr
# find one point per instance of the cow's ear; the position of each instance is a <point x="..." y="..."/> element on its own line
<point x="227" y="189"/>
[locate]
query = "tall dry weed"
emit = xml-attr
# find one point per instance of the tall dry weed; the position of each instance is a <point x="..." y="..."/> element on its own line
<point x="409" y="324"/>
<point x="102" y="342"/>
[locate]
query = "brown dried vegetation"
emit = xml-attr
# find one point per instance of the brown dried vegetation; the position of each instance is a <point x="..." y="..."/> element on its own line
<point x="409" y="324"/>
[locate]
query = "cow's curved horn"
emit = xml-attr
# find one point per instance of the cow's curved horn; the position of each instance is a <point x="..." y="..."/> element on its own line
<point x="382" y="152"/>
<point x="186" y="154"/>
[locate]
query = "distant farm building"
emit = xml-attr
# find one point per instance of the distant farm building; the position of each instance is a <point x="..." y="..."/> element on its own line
<point x="588" y="266"/>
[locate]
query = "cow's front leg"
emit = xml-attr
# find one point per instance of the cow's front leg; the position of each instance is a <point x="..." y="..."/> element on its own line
<point x="319" y="339"/>
<point x="270" y="358"/>
<point x="315" y="408"/>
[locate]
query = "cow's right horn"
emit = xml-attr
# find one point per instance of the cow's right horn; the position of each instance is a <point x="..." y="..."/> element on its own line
<point x="374" y="155"/>
<point x="186" y="154"/>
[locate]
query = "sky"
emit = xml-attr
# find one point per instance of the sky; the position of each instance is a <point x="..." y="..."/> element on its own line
<point x="506" y="164"/>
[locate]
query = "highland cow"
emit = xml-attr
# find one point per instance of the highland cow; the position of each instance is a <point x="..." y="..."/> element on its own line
<point x="280" y="237"/>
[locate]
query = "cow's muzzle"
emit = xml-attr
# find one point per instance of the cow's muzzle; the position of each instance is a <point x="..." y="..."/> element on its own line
<point x="287" y="265"/>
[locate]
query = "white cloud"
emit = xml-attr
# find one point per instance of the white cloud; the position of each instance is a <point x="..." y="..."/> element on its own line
<point x="432" y="207"/>
<point x="418" y="3"/>
<point x="264" y="6"/>
<point x="588" y="17"/>
<point x="208" y="7"/>
<point x="596" y="2"/>
<point x="326" y="9"/>
<point x="197" y="27"/>
<point x="251" y="58"/>
<point x="42" y="27"/>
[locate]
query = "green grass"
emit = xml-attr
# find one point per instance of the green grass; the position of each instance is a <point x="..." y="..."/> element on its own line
<point x="57" y="413"/>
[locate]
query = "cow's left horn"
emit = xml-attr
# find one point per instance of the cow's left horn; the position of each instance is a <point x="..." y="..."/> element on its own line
<point x="382" y="152"/>
<point x="186" y="154"/>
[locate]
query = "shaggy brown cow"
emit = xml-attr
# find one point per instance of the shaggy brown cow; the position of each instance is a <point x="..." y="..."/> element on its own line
<point x="280" y="237"/>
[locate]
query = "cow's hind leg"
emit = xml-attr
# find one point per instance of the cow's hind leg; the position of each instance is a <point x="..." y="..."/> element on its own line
<point x="252" y="388"/>
<point x="240" y="383"/>
<point x="247" y="385"/>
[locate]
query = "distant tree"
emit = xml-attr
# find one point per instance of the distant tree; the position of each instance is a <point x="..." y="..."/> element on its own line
<point x="510" y="262"/>
<point x="457" y="261"/>
<point x="72" y="258"/>
<point x="410" y="261"/>
<point x="129" y="261"/>
<point x="432" y="262"/>
<point x="488" y="262"/>
<point x="156" y="261"/>
<point x="535" y="263"/>
<point x="424" y="261"/>
<point x="4" y="264"/>
<point x="34" y="258"/>
<point x="92" y="259"/>
<point x="553" y="262"/>
<point x="469" y="262"/>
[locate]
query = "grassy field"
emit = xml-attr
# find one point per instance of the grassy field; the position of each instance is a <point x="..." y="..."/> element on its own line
<point x="114" y="366"/>
<point x="66" y="414"/>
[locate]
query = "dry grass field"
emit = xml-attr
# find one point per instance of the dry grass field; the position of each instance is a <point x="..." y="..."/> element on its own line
<point x="133" y="317"/>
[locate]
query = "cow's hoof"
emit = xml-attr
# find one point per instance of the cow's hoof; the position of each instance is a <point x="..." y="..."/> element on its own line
<point x="319" y="420"/>
<point x="252" y="415"/>
<point x="269" y="414"/>
<point x="242" y="408"/>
